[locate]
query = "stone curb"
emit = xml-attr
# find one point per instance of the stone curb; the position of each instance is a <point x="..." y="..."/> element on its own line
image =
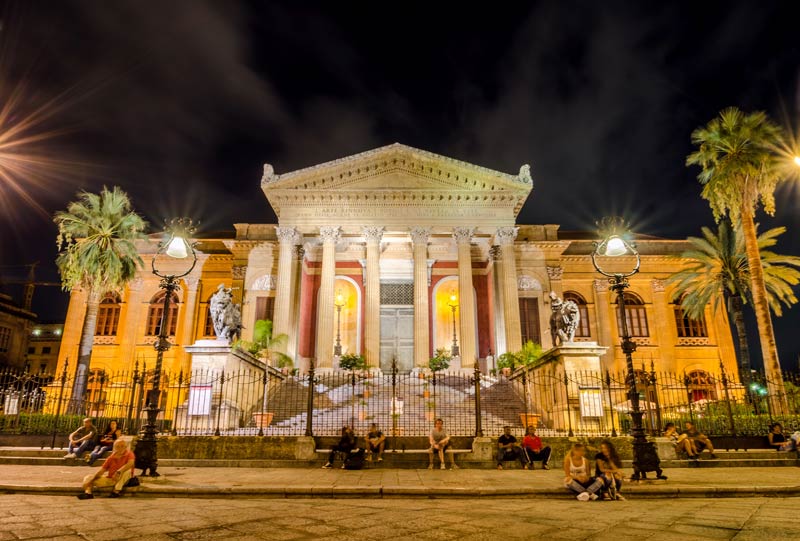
<point x="419" y="491"/>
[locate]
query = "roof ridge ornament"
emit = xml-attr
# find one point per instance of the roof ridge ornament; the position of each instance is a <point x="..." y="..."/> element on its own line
<point x="269" y="175"/>
<point x="525" y="174"/>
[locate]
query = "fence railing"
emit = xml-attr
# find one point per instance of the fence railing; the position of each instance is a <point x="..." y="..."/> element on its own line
<point x="253" y="402"/>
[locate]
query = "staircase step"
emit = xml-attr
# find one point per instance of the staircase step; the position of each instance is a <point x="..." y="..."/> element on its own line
<point x="31" y="452"/>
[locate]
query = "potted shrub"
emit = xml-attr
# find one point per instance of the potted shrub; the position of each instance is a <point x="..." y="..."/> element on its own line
<point x="352" y="361"/>
<point x="507" y="363"/>
<point x="440" y="361"/>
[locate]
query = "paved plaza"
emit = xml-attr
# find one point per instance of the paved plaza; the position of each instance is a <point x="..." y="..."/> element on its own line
<point x="62" y="518"/>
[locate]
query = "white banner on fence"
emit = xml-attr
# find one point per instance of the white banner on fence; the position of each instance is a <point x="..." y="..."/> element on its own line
<point x="12" y="404"/>
<point x="591" y="401"/>
<point x="397" y="406"/>
<point x="200" y="400"/>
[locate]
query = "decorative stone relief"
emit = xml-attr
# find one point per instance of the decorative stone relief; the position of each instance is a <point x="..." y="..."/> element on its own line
<point x="287" y="235"/>
<point x="601" y="286"/>
<point x="463" y="234"/>
<point x="525" y="174"/>
<point x="330" y="233"/>
<point x="505" y="235"/>
<point x="420" y="235"/>
<point x="372" y="234"/>
<point x="269" y="174"/>
<point x="658" y="285"/>
<point x="239" y="272"/>
<point x="694" y="341"/>
<point x="555" y="273"/>
<point x="528" y="283"/>
<point x="266" y="282"/>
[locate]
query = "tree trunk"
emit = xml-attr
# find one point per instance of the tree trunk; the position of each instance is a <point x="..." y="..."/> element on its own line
<point x="737" y="315"/>
<point x="766" y="335"/>
<point x="85" y="352"/>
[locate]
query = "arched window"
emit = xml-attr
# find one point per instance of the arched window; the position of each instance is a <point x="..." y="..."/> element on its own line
<point x="635" y="316"/>
<point x="700" y="385"/>
<point x="687" y="327"/>
<point x="108" y="315"/>
<point x="583" y="325"/>
<point x="156" y="311"/>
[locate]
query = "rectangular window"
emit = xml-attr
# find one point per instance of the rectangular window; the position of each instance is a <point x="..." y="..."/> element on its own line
<point x="208" y="328"/>
<point x="31" y="350"/>
<point x="689" y="328"/>
<point x="5" y="339"/>
<point x="46" y="350"/>
<point x="265" y="306"/>
<point x="529" y="320"/>
<point x="636" y="318"/>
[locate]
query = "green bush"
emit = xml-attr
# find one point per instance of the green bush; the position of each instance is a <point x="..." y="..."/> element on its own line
<point x="440" y="361"/>
<point x="352" y="361"/>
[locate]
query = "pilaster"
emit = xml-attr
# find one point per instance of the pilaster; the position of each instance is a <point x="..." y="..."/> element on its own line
<point x="419" y="238"/>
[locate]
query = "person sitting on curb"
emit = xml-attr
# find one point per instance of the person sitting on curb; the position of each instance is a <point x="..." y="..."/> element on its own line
<point x="778" y="440"/>
<point x="608" y="467"/>
<point x="376" y="442"/>
<point x="439" y="441"/>
<point x="346" y="444"/>
<point x="82" y="439"/>
<point x="117" y="468"/>
<point x="106" y="442"/>
<point x="681" y="442"/>
<point x="699" y="441"/>
<point x="577" y="478"/>
<point x="534" y="450"/>
<point x="508" y="449"/>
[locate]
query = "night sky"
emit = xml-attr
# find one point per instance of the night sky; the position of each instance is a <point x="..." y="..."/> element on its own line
<point x="181" y="103"/>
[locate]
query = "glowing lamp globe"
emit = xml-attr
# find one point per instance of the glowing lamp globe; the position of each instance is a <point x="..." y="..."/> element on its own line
<point x="177" y="248"/>
<point x="797" y="161"/>
<point x="615" y="247"/>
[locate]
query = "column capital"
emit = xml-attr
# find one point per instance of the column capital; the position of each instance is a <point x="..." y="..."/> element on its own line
<point x="463" y="235"/>
<point x="372" y="234"/>
<point x="555" y="273"/>
<point x="659" y="286"/>
<point x="287" y="235"/>
<point x="601" y="285"/>
<point x="239" y="271"/>
<point x="504" y="236"/>
<point x="191" y="282"/>
<point x="495" y="252"/>
<point x="330" y="233"/>
<point x="420" y="235"/>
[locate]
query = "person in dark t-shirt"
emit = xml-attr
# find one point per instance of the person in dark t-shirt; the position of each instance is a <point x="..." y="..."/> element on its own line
<point x="376" y="442"/>
<point x="508" y="449"/>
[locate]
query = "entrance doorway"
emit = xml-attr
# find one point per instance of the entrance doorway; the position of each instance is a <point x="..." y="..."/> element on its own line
<point x="397" y="337"/>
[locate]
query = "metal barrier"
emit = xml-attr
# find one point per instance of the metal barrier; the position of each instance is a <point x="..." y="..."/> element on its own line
<point x="251" y="402"/>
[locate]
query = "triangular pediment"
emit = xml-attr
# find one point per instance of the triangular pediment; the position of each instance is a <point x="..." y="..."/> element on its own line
<point x="395" y="173"/>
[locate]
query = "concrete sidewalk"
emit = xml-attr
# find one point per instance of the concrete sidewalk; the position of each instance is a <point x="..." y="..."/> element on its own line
<point x="377" y="482"/>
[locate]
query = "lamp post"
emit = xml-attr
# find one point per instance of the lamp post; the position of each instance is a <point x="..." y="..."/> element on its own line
<point x="614" y="244"/>
<point x="176" y="244"/>
<point x="453" y="304"/>
<point x="339" y="303"/>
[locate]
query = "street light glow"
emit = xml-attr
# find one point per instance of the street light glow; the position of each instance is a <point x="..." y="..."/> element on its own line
<point x="177" y="248"/>
<point x="615" y="247"/>
<point x="797" y="161"/>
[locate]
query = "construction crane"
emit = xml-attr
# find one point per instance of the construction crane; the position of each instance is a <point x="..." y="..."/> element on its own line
<point x="28" y="285"/>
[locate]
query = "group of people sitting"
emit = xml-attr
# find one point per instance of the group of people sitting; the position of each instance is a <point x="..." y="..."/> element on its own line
<point x="691" y="441"/>
<point x="86" y="438"/>
<point x="607" y="479"/>
<point x="352" y="455"/>
<point x="116" y="470"/>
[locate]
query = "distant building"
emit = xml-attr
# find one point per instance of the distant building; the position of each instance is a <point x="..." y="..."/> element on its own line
<point x="43" y="347"/>
<point x="16" y="324"/>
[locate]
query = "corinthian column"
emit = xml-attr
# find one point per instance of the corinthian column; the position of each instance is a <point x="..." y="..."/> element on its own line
<point x="324" y="353"/>
<point x="419" y="238"/>
<point x="282" y="313"/>
<point x="372" y="314"/>
<point x="504" y="237"/>
<point x="499" y="313"/>
<point x="466" y="304"/>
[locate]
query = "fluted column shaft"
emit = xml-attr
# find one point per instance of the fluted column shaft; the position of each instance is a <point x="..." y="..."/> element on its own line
<point x="463" y="237"/>
<point x="294" y="306"/>
<point x="281" y="324"/>
<point x="508" y="286"/>
<point x="372" y="313"/>
<point x="419" y="237"/>
<point x="325" y="314"/>
<point x="499" y="312"/>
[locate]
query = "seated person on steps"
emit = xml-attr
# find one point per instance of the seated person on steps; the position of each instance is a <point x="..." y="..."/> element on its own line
<point x="778" y="440"/>
<point x="509" y="449"/>
<point x="699" y="441"/>
<point x="439" y="441"/>
<point x="117" y="468"/>
<point x="534" y="450"/>
<point x="577" y="478"/>
<point x="681" y="442"/>
<point x="376" y="442"/>
<point x="82" y="439"/>
<point x="346" y="444"/>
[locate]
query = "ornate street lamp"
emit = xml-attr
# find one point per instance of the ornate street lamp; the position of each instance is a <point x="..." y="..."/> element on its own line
<point x="615" y="243"/>
<point x="176" y="244"/>
<point x="453" y="304"/>
<point x="339" y="303"/>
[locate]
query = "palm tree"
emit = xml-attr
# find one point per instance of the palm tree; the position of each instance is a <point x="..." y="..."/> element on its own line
<point x="97" y="253"/>
<point x="267" y="346"/>
<point x="718" y="271"/>
<point x="736" y="152"/>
